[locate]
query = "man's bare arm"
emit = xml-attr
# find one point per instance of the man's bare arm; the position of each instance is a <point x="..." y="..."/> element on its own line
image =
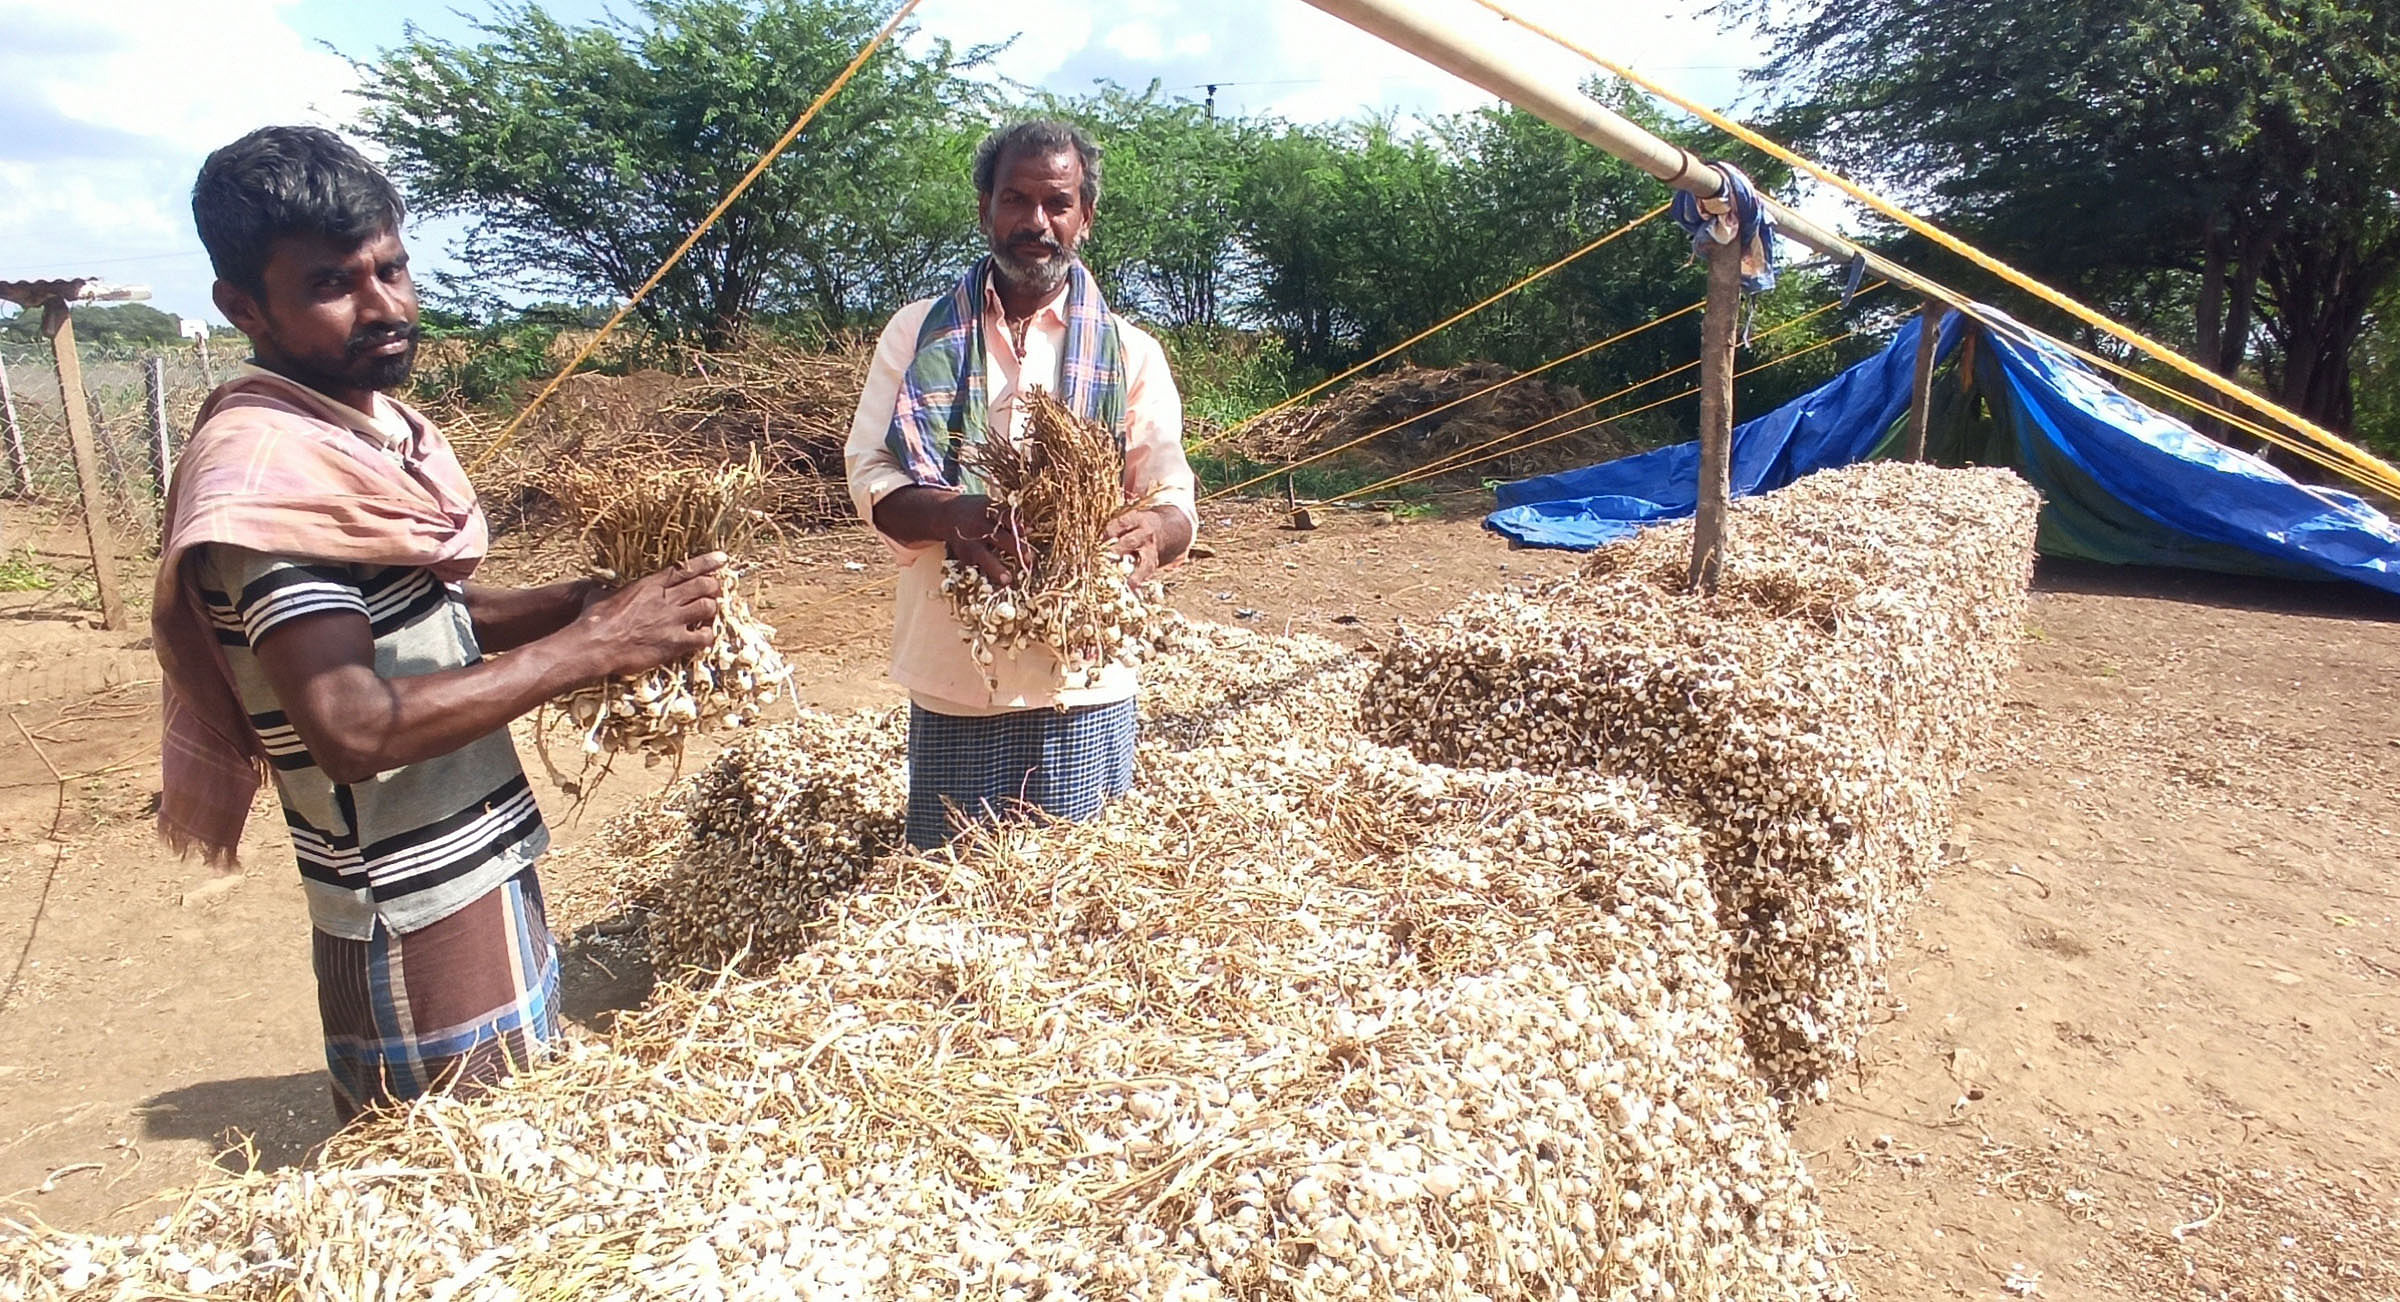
<point x="357" y="723"/>
<point x="508" y="618"/>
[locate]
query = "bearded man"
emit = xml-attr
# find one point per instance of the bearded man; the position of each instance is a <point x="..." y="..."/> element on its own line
<point x="314" y="619"/>
<point x="948" y="372"/>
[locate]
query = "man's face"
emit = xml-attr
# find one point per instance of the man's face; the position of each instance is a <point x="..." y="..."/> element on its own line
<point x="339" y="318"/>
<point x="1035" y="218"/>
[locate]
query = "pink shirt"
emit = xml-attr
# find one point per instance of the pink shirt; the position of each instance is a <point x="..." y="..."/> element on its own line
<point x="929" y="657"/>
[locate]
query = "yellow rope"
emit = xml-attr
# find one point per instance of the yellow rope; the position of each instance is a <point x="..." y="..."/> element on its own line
<point x="1448" y="462"/>
<point x="1427" y="333"/>
<point x="2367" y="467"/>
<point x="1585" y="351"/>
<point x="1427" y="472"/>
<point x="740" y="187"/>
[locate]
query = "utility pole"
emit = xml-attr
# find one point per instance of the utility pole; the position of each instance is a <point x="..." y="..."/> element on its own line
<point x="1720" y="325"/>
<point x="1920" y="398"/>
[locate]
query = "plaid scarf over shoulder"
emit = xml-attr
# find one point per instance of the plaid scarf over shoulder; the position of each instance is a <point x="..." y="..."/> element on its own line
<point x="943" y="401"/>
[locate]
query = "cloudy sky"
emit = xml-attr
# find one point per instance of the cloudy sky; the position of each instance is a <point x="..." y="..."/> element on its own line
<point x="107" y="107"/>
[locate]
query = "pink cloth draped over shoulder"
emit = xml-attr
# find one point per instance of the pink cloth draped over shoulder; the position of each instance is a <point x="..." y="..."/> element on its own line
<point x="279" y="468"/>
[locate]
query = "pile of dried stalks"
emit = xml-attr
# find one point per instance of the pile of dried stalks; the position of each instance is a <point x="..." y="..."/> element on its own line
<point x="1416" y="400"/>
<point x="1813" y="719"/>
<point x="1056" y="491"/>
<point x="1306" y="1022"/>
<point x="634" y="521"/>
<point x="789" y="406"/>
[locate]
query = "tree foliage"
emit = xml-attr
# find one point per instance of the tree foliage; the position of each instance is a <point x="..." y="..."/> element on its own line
<point x="102" y="327"/>
<point x="584" y="154"/>
<point x="2223" y="171"/>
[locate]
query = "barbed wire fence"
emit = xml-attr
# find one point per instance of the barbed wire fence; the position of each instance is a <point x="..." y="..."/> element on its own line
<point x="142" y="403"/>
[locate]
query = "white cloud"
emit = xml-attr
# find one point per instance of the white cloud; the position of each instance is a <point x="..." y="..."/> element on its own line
<point x="109" y="109"/>
<point x="1138" y="41"/>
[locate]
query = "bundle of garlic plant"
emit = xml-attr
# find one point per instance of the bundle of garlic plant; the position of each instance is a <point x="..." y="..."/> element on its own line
<point x="636" y="520"/>
<point x="1056" y="491"/>
<point x="1303" y="1023"/>
<point x="1813" y="718"/>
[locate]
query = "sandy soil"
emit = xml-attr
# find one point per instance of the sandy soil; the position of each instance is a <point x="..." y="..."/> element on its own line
<point x="2142" y="1043"/>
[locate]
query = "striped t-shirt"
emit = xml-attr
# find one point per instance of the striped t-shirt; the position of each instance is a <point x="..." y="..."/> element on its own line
<point x="409" y="846"/>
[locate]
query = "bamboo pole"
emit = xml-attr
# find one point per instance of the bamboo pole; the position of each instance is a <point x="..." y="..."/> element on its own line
<point x="162" y="450"/>
<point x="17" y="464"/>
<point x="1720" y="323"/>
<point x="1920" y="398"/>
<point x="58" y="322"/>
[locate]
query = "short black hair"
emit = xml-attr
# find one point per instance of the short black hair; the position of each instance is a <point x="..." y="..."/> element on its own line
<point x="280" y="181"/>
<point x="1041" y="136"/>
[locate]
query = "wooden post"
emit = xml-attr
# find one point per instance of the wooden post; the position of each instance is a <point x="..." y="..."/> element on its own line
<point x="17" y="463"/>
<point x="162" y="452"/>
<point x="1720" y="323"/>
<point x="208" y="369"/>
<point x="1920" y="399"/>
<point x="59" y="323"/>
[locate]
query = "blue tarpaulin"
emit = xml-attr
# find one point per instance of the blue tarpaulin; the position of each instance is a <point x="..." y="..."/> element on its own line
<point x="2120" y="481"/>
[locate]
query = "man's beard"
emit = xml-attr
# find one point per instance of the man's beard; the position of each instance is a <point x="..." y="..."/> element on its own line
<point x="1042" y="276"/>
<point x="355" y="369"/>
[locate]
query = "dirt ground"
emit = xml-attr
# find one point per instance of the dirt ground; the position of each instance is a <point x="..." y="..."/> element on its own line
<point x="2142" y="1042"/>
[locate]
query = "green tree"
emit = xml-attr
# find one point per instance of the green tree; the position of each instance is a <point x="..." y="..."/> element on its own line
<point x="582" y="155"/>
<point x="102" y="327"/>
<point x="2222" y="171"/>
<point x="1166" y="243"/>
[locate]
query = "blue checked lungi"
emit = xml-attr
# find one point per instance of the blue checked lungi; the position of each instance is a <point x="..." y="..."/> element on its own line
<point x="1063" y="763"/>
<point x="465" y="1000"/>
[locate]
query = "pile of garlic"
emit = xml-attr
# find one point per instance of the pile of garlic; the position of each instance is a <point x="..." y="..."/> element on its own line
<point x="1813" y="719"/>
<point x="786" y="819"/>
<point x="1083" y="627"/>
<point x="726" y="685"/>
<point x="1312" y="1021"/>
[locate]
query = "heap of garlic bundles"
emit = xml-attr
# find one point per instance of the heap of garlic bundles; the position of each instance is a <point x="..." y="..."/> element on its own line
<point x="635" y="521"/>
<point x="1813" y="718"/>
<point x="1056" y="491"/>
<point x="1311" y="1021"/>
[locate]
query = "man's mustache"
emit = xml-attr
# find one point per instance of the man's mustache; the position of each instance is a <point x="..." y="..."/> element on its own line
<point x="1036" y="243"/>
<point x="377" y="337"/>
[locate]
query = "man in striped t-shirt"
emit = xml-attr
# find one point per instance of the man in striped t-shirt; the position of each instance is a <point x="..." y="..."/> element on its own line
<point x="314" y="618"/>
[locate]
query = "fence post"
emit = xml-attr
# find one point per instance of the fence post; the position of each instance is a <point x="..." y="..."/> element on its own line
<point x="162" y="452"/>
<point x="17" y="463"/>
<point x="59" y="323"/>
<point x="1719" y="324"/>
<point x="208" y="369"/>
<point x="1920" y="399"/>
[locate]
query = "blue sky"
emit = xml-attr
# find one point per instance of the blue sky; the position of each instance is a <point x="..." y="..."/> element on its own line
<point x="107" y="108"/>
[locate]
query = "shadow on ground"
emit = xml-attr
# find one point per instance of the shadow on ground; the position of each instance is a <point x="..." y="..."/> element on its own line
<point x="2331" y="598"/>
<point x="274" y="1121"/>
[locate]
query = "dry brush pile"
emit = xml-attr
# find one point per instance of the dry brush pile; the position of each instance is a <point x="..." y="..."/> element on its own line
<point x="1813" y="719"/>
<point x="1313" y="1021"/>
